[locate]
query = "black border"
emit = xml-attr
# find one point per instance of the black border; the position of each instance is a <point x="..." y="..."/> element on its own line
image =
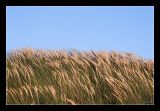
<point x="2" y="53"/>
<point x="81" y="2"/>
<point x="157" y="54"/>
<point x="154" y="3"/>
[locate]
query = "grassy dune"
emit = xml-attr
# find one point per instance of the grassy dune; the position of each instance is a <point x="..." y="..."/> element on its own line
<point x="73" y="77"/>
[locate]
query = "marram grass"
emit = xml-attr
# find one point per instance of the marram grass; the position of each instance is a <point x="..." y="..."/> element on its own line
<point x="74" y="77"/>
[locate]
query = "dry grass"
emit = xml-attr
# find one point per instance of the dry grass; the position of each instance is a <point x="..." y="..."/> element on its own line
<point x="73" y="77"/>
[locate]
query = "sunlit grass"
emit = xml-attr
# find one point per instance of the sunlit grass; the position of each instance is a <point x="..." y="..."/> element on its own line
<point x="74" y="77"/>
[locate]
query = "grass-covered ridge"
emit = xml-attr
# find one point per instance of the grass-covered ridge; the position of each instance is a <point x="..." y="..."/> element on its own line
<point x="73" y="77"/>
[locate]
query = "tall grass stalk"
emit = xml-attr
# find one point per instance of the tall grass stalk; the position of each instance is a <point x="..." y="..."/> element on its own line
<point x="74" y="77"/>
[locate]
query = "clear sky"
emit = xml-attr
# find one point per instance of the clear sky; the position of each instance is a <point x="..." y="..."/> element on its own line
<point x="128" y="28"/>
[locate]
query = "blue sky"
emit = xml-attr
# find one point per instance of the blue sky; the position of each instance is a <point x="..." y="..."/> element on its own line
<point x="128" y="28"/>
